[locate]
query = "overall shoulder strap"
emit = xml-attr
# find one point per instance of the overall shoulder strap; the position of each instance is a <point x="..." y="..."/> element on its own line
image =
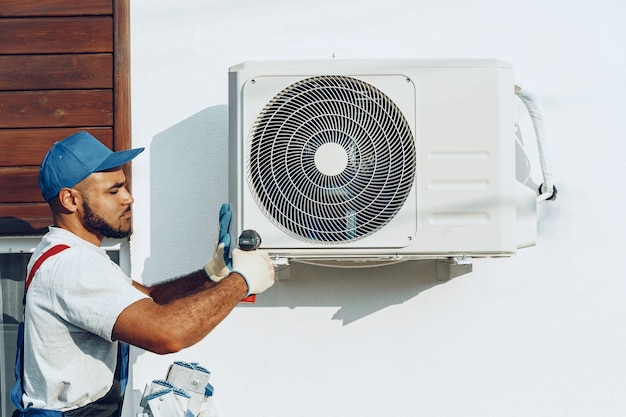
<point x="50" y="252"/>
<point x="16" y="390"/>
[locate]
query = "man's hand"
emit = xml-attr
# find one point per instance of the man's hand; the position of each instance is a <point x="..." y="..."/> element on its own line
<point x="220" y="264"/>
<point x="256" y="268"/>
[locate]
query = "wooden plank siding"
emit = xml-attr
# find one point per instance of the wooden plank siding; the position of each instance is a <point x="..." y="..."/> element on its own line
<point x="56" y="108"/>
<point x="59" y="71"/>
<point x="56" y="35"/>
<point x="64" y="67"/>
<point x="30" y="8"/>
<point x="32" y="144"/>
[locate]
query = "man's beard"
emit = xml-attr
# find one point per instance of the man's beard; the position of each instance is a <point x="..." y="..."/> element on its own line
<point x="97" y="224"/>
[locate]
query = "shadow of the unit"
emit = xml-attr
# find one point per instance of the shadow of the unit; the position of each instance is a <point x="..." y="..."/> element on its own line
<point x="358" y="291"/>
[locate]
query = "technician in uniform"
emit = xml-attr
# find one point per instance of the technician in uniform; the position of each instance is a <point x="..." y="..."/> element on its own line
<point x="81" y="310"/>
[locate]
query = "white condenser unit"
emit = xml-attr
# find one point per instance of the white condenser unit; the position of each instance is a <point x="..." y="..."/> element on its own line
<point x="377" y="160"/>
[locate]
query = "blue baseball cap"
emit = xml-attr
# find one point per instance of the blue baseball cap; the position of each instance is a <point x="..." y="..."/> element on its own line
<point x="74" y="158"/>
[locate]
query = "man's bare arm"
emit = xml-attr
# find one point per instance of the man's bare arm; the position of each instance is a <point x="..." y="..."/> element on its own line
<point x="169" y="327"/>
<point x="166" y="292"/>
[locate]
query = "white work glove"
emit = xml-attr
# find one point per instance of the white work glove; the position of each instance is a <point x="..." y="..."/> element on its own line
<point x="216" y="267"/>
<point x="219" y="265"/>
<point x="256" y="268"/>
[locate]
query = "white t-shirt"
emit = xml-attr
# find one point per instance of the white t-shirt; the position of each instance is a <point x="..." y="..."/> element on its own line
<point x="72" y="304"/>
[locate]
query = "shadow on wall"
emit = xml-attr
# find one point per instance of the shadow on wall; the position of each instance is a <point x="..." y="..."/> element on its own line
<point x="358" y="292"/>
<point x="189" y="182"/>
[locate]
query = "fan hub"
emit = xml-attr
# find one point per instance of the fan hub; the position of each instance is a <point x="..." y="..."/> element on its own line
<point x="331" y="159"/>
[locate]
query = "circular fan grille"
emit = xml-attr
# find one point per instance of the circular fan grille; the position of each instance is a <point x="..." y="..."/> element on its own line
<point x="331" y="159"/>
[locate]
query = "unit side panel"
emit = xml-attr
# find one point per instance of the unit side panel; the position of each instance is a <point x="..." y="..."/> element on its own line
<point x="466" y="161"/>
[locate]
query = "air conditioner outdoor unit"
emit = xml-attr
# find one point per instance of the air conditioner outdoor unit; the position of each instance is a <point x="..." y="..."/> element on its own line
<point x="377" y="160"/>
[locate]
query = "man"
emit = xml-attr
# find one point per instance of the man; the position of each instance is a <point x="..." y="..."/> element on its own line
<point x="80" y="306"/>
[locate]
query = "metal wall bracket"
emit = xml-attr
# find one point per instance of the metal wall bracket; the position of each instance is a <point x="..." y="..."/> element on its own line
<point x="453" y="267"/>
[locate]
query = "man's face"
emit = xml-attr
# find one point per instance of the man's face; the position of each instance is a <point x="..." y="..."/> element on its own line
<point x="107" y="204"/>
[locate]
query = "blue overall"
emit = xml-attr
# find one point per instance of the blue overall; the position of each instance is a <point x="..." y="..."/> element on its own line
<point x="108" y="406"/>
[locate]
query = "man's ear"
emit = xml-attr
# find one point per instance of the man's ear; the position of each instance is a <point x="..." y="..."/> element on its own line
<point x="69" y="199"/>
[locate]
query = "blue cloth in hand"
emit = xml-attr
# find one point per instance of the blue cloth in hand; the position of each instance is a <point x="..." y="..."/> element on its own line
<point x="223" y="235"/>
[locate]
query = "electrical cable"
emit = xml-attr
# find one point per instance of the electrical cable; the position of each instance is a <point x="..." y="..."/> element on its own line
<point x="547" y="190"/>
<point x="520" y="142"/>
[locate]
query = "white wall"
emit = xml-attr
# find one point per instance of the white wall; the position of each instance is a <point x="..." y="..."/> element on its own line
<point x="539" y="334"/>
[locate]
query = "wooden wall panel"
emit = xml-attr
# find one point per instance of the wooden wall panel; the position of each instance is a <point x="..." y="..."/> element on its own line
<point x="67" y="71"/>
<point x="34" y="143"/>
<point x="55" y="7"/>
<point x="56" y="108"/>
<point x="56" y="35"/>
<point x="31" y="219"/>
<point x="20" y="185"/>
<point x="64" y="67"/>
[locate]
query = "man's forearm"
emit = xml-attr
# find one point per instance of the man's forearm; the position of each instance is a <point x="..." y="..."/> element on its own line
<point x="180" y="287"/>
<point x="170" y="327"/>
